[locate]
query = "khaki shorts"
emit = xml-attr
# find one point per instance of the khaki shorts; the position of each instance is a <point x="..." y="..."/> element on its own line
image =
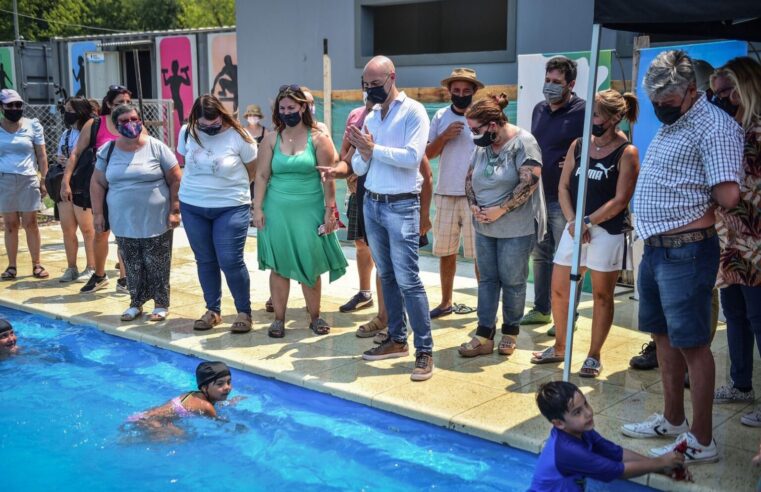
<point x="453" y="220"/>
<point x="19" y="193"/>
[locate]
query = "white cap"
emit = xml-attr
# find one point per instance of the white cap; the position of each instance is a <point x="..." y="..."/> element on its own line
<point x="9" y="95"/>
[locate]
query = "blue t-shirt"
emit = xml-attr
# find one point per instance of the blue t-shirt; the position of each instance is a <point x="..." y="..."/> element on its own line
<point x="567" y="461"/>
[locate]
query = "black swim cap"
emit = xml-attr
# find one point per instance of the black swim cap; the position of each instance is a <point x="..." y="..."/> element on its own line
<point x="5" y="326"/>
<point x="208" y="372"/>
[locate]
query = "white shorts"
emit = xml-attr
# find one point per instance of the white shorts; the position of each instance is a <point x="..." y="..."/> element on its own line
<point x="603" y="253"/>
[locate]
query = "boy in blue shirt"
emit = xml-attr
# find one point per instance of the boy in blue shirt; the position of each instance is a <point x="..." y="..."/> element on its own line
<point x="575" y="451"/>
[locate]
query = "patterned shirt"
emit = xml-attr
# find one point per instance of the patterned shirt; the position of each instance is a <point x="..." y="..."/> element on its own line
<point x="683" y="162"/>
<point x="740" y="227"/>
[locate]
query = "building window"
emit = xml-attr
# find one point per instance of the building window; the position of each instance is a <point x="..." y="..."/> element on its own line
<point x="437" y="32"/>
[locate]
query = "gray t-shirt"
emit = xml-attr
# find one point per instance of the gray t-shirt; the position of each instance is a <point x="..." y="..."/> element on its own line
<point x="496" y="175"/>
<point x="138" y="194"/>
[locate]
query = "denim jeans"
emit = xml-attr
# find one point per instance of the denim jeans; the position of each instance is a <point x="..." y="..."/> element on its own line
<point x="217" y="237"/>
<point x="675" y="287"/>
<point x="503" y="266"/>
<point x="393" y="234"/>
<point x="543" y="255"/>
<point x="742" y="308"/>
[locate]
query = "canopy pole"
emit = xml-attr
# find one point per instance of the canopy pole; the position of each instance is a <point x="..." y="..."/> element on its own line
<point x="581" y="199"/>
<point x="139" y="81"/>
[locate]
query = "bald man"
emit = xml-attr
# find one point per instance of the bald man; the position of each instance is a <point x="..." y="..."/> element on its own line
<point x="389" y="148"/>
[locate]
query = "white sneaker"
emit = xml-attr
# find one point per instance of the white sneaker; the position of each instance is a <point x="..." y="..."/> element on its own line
<point x="655" y="426"/>
<point x="85" y="275"/>
<point x="729" y="394"/>
<point x="752" y="419"/>
<point x="695" y="453"/>
<point x="69" y="275"/>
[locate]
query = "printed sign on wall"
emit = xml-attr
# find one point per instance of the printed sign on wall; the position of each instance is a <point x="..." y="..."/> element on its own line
<point x="531" y="70"/>
<point x="77" y="84"/>
<point x="7" y="68"/>
<point x="223" y="69"/>
<point x="178" y="73"/>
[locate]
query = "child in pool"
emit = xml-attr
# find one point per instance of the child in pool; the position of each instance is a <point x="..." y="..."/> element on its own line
<point x="8" y="344"/>
<point x="214" y="385"/>
<point x="575" y="451"/>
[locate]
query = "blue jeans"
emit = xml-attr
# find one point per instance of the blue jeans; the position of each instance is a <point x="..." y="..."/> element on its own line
<point x="675" y="287"/>
<point x="502" y="265"/>
<point x="217" y="237"/>
<point x="742" y="308"/>
<point x="393" y="234"/>
<point x="543" y="254"/>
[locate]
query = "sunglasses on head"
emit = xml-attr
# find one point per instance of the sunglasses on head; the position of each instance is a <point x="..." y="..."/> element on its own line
<point x="14" y="105"/>
<point x="117" y="88"/>
<point x="291" y="87"/>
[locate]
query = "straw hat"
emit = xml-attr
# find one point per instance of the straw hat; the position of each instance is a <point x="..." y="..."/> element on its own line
<point x="253" y="110"/>
<point x="464" y="74"/>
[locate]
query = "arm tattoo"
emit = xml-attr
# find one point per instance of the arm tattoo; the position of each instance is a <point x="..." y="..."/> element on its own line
<point x="523" y="190"/>
<point x="469" y="193"/>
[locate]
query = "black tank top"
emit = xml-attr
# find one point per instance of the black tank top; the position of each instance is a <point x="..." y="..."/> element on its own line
<point x="260" y="137"/>
<point x="601" y="186"/>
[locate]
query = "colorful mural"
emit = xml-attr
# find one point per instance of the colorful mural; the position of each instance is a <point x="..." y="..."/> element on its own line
<point x="7" y="68"/>
<point x="223" y="68"/>
<point x="177" y="80"/>
<point x="77" y="85"/>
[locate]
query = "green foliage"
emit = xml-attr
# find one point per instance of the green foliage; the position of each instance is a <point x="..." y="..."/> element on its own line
<point x="59" y="16"/>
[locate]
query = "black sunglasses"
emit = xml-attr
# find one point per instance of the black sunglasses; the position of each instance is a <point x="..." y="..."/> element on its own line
<point x="14" y="105"/>
<point x="118" y="88"/>
<point x="291" y="87"/>
<point x="476" y="130"/>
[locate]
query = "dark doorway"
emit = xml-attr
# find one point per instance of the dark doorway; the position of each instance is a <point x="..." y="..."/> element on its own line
<point x="146" y="72"/>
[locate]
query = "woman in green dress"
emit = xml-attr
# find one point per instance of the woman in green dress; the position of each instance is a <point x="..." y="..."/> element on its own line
<point x="294" y="211"/>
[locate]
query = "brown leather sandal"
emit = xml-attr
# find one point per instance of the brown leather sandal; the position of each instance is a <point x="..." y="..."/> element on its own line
<point x="242" y="324"/>
<point x="507" y="345"/>
<point x="476" y="347"/>
<point x="209" y="320"/>
<point x="371" y="328"/>
<point x="268" y="306"/>
<point x="38" y="271"/>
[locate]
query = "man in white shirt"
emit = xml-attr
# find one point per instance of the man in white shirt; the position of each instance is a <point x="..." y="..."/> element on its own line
<point x="389" y="148"/>
<point x="450" y="139"/>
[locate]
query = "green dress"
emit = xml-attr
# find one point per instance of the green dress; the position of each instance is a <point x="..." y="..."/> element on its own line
<point x="294" y="207"/>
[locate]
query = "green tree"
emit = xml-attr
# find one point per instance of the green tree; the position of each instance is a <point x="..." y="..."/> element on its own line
<point x="207" y="13"/>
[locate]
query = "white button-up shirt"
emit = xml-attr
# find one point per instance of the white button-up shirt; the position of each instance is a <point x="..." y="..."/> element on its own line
<point x="400" y="139"/>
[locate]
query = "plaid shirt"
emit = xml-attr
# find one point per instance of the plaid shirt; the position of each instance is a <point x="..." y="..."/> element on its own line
<point x="683" y="162"/>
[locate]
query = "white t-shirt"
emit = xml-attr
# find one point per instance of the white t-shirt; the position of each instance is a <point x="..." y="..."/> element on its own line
<point x="455" y="156"/>
<point x="214" y="174"/>
<point x="63" y="149"/>
<point x="17" y="149"/>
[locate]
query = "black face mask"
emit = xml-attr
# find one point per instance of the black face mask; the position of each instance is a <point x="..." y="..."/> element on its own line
<point x="462" y="102"/>
<point x="598" y="130"/>
<point x="13" y="115"/>
<point x="211" y="130"/>
<point x="291" y="119"/>
<point x="725" y="105"/>
<point x="377" y="95"/>
<point x="70" y="118"/>
<point x="669" y="114"/>
<point x="486" y="139"/>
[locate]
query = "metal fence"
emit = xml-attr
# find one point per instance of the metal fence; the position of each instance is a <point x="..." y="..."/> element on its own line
<point x="158" y="118"/>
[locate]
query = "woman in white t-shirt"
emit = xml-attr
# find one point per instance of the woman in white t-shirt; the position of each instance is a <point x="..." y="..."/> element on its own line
<point x="22" y="154"/>
<point x="77" y="112"/>
<point x="215" y="202"/>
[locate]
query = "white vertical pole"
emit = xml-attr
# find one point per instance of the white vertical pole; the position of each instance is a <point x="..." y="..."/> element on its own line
<point x="581" y="197"/>
<point x="327" y="94"/>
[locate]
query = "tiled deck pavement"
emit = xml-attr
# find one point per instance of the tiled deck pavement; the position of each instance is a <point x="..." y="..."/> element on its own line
<point x="490" y="397"/>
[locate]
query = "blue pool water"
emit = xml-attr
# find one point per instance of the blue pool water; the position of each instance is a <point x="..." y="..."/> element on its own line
<point x="67" y="393"/>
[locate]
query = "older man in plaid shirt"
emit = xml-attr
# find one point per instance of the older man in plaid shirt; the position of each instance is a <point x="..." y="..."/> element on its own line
<point x="693" y="164"/>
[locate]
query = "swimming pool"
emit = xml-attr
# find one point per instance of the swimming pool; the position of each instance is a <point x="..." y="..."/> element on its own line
<point x="65" y="396"/>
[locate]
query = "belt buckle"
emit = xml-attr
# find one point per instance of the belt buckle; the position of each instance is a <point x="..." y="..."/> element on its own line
<point x="677" y="243"/>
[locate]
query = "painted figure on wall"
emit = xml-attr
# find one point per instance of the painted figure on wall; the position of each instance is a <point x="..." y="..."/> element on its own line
<point x="175" y="82"/>
<point x="4" y="76"/>
<point x="80" y="77"/>
<point x="227" y="78"/>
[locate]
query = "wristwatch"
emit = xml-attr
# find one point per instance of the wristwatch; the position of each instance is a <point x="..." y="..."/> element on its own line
<point x="587" y="221"/>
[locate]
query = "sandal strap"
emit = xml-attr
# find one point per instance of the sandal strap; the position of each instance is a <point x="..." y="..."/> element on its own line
<point x="591" y="363"/>
<point x="507" y="341"/>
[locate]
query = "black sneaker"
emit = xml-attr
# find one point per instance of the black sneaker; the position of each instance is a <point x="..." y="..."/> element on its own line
<point x="359" y="301"/>
<point x="121" y="285"/>
<point x="96" y="282"/>
<point x="647" y="358"/>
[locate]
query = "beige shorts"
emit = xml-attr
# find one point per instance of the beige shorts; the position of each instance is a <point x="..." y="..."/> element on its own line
<point x="453" y="221"/>
<point x="19" y="193"/>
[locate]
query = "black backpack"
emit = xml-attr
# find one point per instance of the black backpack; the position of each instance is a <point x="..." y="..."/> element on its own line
<point x="80" y="178"/>
<point x="55" y="174"/>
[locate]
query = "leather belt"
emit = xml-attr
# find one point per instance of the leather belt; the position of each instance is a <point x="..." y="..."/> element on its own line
<point x="680" y="239"/>
<point x="380" y="197"/>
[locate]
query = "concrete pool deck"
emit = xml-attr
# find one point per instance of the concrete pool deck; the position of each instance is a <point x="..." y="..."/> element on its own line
<point x="489" y="396"/>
